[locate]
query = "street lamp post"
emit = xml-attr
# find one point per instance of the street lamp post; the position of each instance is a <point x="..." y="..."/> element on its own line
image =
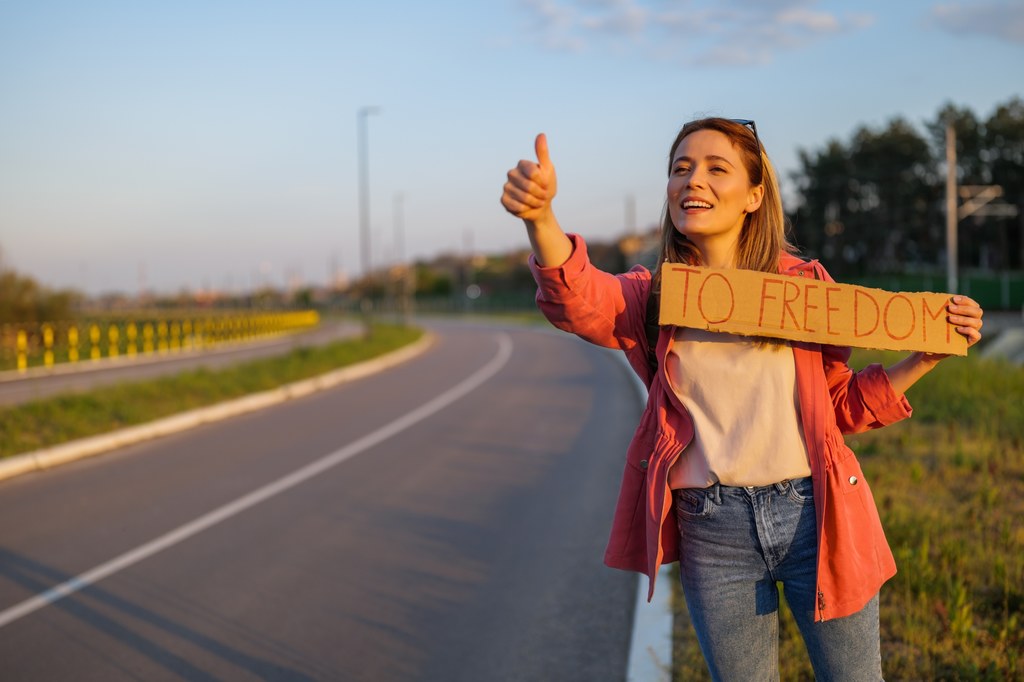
<point x="364" y="207"/>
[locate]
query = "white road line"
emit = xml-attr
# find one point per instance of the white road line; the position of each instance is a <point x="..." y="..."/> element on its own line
<point x="243" y="503"/>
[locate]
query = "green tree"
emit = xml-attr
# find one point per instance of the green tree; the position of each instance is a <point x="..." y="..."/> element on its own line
<point x="972" y="168"/>
<point x="869" y="205"/>
<point x="824" y="190"/>
<point x="877" y="203"/>
<point x="895" y="185"/>
<point x="1004" y="150"/>
<point x="22" y="299"/>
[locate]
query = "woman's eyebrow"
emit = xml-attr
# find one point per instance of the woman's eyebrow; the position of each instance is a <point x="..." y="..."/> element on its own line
<point x="709" y="157"/>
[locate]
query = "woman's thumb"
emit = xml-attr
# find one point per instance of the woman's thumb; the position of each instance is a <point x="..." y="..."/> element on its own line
<point x="540" y="145"/>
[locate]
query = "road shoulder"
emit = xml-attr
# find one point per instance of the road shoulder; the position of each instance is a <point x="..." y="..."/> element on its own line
<point x="47" y="458"/>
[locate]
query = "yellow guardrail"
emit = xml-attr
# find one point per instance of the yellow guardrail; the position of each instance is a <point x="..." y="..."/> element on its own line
<point x="47" y="344"/>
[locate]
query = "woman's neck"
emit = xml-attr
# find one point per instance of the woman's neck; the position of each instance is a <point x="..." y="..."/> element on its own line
<point x="717" y="253"/>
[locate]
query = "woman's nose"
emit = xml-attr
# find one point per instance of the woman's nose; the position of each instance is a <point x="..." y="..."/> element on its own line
<point x="696" y="178"/>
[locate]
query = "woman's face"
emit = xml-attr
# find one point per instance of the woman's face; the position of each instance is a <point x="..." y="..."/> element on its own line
<point x="709" y="193"/>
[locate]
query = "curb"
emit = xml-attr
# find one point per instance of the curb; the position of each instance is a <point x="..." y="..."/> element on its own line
<point x="48" y="458"/>
<point x="1007" y="344"/>
<point x="650" y="647"/>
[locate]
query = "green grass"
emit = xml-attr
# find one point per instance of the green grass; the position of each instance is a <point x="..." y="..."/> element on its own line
<point x="56" y="420"/>
<point x="949" y="484"/>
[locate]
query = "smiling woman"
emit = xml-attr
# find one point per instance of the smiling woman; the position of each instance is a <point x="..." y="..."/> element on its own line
<point x="710" y="195"/>
<point x="738" y="463"/>
<point x="735" y="166"/>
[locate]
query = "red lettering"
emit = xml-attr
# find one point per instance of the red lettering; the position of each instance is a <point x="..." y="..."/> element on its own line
<point x="686" y="284"/>
<point x="857" y="295"/>
<point x="764" y="296"/>
<point x="829" y="310"/>
<point x="926" y="313"/>
<point x="785" y="304"/>
<point x="807" y="304"/>
<point x="885" y="315"/>
<point x="700" y="298"/>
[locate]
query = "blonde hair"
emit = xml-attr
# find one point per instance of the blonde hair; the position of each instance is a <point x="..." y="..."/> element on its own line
<point x="763" y="238"/>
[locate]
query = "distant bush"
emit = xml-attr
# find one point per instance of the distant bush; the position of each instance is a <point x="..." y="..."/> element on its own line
<point x="22" y="299"/>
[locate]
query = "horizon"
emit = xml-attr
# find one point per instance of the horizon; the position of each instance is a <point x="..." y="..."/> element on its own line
<point x="196" y="147"/>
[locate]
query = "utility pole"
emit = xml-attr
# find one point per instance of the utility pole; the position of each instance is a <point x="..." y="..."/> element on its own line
<point x="364" y="209"/>
<point x="979" y="200"/>
<point x="402" y="269"/>
<point x="630" y="210"/>
<point x="952" y="286"/>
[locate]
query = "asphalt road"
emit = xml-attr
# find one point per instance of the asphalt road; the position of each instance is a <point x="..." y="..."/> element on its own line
<point x="443" y="520"/>
<point x="82" y="376"/>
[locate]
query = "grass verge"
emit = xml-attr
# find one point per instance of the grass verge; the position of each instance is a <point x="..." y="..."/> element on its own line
<point x="56" y="420"/>
<point x="949" y="484"/>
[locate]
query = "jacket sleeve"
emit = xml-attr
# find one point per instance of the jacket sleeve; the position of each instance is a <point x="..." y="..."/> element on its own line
<point x="602" y="308"/>
<point x="862" y="400"/>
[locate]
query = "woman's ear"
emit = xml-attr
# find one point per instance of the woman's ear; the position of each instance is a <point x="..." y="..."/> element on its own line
<point x="754" y="198"/>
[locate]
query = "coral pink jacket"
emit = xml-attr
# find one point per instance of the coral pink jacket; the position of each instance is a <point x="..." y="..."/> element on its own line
<point x="854" y="558"/>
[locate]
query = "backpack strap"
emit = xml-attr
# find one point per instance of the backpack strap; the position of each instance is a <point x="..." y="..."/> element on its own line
<point x="653" y="330"/>
<point x="814" y="270"/>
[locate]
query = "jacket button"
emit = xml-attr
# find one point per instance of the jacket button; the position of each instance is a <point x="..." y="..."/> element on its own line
<point x="853" y="480"/>
<point x="643" y="464"/>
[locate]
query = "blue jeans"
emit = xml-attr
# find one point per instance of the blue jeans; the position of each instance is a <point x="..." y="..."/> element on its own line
<point x="735" y="543"/>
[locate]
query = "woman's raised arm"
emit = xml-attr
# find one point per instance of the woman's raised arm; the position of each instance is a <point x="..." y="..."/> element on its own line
<point x="528" y="194"/>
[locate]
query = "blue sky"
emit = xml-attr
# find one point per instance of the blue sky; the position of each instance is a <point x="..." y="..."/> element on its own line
<point x="195" y="144"/>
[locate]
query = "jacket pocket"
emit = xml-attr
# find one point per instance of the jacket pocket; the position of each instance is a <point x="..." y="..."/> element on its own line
<point x="848" y="475"/>
<point x="642" y="446"/>
<point x="858" y="556"/>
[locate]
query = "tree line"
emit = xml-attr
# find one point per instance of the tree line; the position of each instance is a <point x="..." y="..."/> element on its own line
<point x="875" y="203"/>
<point x="872" y="204"/>
<point x="23" y="299"/>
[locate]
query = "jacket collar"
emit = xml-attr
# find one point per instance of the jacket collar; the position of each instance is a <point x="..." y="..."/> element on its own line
<point x="794" y="265"/>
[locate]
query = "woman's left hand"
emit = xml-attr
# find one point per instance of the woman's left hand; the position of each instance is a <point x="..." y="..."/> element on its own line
<point x="966" y="314"/>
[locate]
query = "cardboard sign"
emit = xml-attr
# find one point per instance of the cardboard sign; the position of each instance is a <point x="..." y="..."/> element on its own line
<point x="806" y="309"/>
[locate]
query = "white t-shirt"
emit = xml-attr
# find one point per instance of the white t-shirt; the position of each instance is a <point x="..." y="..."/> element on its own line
<point x="743" y="400"/>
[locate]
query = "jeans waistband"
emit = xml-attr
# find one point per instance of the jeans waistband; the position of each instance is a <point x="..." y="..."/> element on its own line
<point x="714" y="491"/>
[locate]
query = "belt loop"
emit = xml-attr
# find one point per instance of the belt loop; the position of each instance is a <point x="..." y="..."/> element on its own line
<point x="716" y="491"/>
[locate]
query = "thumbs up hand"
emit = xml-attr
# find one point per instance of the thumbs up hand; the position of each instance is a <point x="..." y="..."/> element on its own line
<point x="532" y="186"/>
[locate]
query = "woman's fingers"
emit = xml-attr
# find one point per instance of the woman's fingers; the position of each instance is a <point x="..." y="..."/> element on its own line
<point x="513" y="195"/>
<point x="531" y="185"/>
<point x="966" y="314"/>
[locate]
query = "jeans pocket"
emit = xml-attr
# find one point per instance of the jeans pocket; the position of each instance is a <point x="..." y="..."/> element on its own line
<point x="800" y="490"/>
<point x="693" y="503"/>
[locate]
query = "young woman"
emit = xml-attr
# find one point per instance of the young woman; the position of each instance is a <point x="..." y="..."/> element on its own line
<point x="738" y="468"/>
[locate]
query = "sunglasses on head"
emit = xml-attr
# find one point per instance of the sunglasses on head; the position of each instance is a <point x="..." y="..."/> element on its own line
<point x="748" y="123"/>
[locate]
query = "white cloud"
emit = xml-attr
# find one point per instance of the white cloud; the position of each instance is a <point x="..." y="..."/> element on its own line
<point x="1003" y="20"/>
<point x="809" y="20"/>
<point x="552" y="23"/>
<point x="619" y="18"/>
<point x="717" y="33"/>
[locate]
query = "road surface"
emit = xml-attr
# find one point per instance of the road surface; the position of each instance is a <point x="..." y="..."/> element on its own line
<point x="443" y="520"/>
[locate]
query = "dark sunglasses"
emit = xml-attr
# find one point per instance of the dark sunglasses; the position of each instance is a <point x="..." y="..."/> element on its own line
<point x="757" y="141"/>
